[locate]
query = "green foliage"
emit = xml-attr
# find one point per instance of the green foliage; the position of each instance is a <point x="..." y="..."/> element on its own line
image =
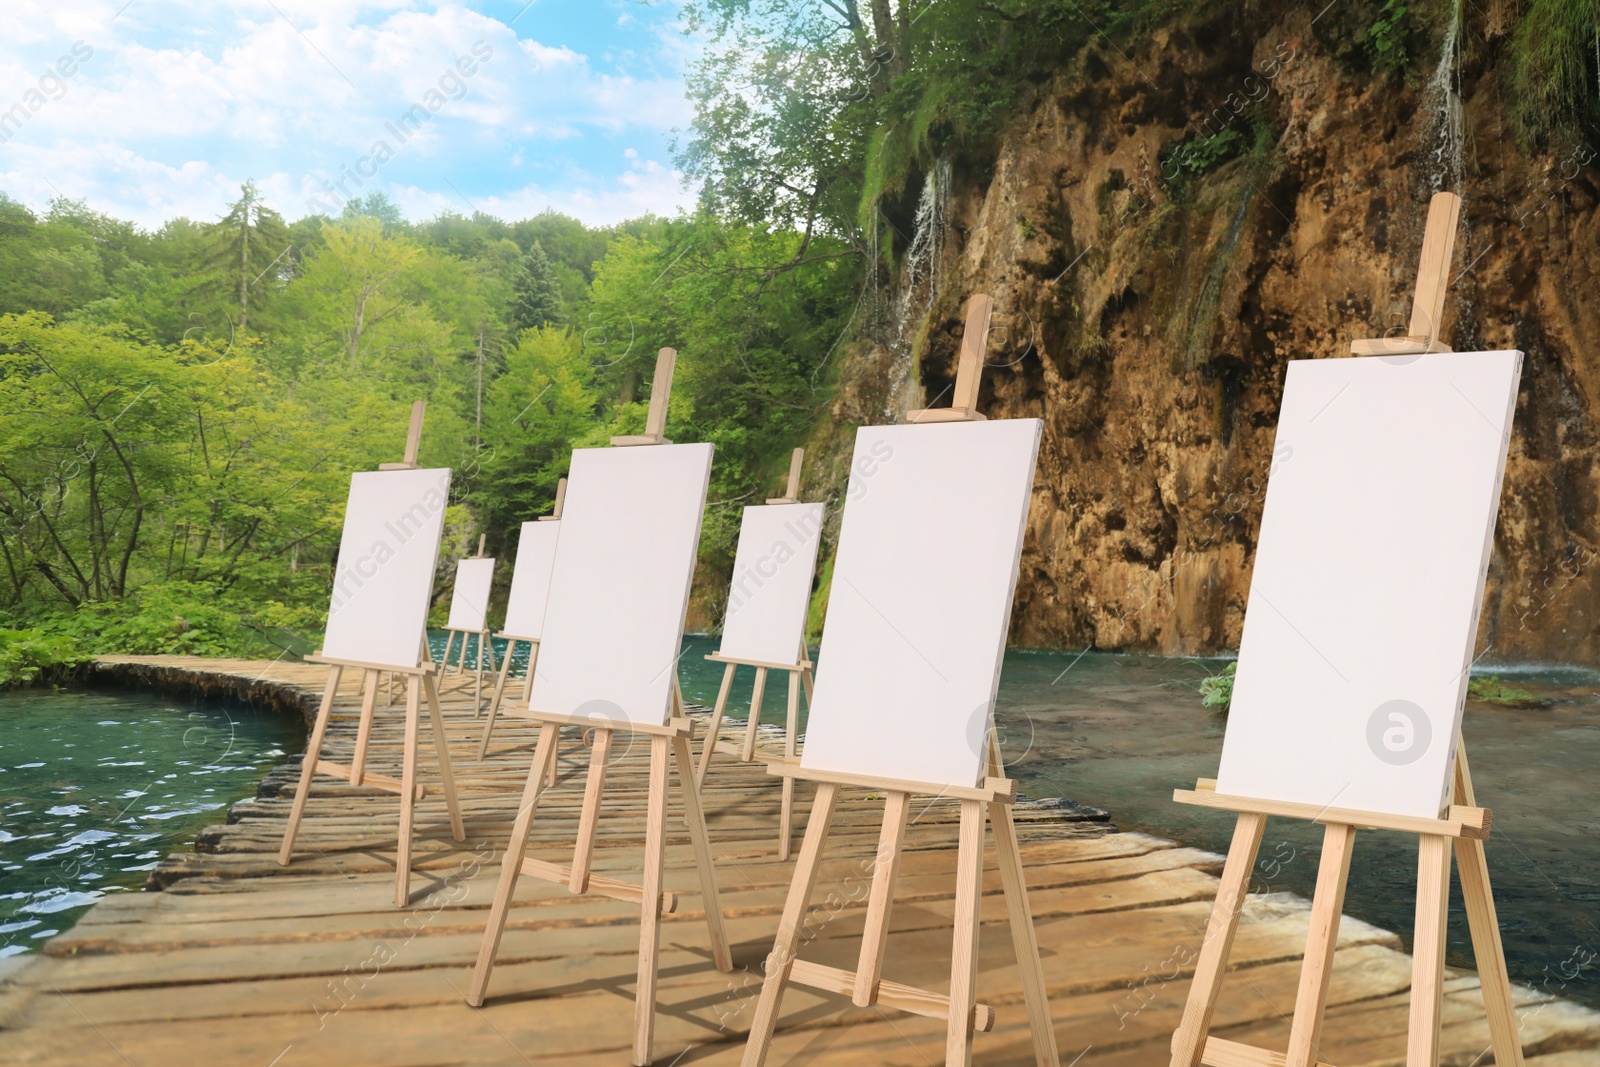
<point x="1389" y="37"/>
<point x="1492" y="691"/>
<point x="1216" y="691"/>
<point x="183" y="408"/>
<point x="1555" y="69"/>
<point x="535" y="292"/>
<point x="28" y="657"/>
<point x="1195" y="155"/>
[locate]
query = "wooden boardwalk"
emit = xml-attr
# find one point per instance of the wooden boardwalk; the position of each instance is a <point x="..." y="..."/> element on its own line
<point x="237" y="960"/>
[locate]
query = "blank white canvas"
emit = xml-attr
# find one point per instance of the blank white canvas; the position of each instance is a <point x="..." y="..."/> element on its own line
<point x="771" y="587"/>
<point x="620" y="589"/>
<point x="387" y="554"/>
<point x="469" y="601"/>
<point x="1369" y="572"/>
<point x="920" y="600"/>
<point x="530" y="580"/>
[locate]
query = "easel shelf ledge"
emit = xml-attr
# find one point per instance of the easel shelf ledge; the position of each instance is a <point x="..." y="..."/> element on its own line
<point x="992" y="791"/>
<point x="1461" y="821"/>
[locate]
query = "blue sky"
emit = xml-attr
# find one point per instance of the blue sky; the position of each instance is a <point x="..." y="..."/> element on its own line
<point x="158" y="108"/>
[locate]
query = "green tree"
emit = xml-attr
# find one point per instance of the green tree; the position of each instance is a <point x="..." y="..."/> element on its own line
<point x="249" y="244"/>
<point x="535" y="297"/>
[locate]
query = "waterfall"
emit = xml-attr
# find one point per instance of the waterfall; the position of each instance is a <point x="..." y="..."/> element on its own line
<point x="922" y="258"/>
<point x="919" y="285"/>
<point x="1445" y="132"/>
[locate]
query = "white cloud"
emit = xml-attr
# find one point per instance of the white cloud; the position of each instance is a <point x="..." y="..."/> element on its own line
<point x="184" y="99"/>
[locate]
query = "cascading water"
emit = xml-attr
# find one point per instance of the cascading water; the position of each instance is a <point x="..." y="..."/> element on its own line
<point x="1442" y="140"/>
<point x="919" y="282"/>
<point x="922" y="258"/>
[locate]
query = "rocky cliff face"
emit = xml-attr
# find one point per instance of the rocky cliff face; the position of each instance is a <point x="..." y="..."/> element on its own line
<point x="1163" y="230"/>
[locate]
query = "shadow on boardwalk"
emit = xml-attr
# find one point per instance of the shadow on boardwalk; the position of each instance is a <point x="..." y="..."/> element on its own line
<point x="237" y="960"/>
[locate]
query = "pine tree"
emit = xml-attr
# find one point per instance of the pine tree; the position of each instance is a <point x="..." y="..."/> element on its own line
<point x="249" y="239"/>
<point x="535" y="297"/>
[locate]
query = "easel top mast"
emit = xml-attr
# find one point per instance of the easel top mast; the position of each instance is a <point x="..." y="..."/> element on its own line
<point x="791" y="494"/>
<point x="1433" y="281"/>
<point x="655" y="423"/>
<point x="413" y="440"/>
<point x="561" y="499"/>
<point x="969" y="367"/>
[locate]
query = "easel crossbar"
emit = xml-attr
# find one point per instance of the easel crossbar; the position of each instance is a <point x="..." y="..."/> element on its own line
<point x="676" y="728"/>
<point x="372" y="778"/>
<point x="904" y="998"/>
<point x="599" y="884"/>
<point x="1223" y="1053"/>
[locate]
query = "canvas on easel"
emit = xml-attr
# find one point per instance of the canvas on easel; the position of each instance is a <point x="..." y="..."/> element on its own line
<point x="764" y="626"/>
<point x="525" y="607"/>
<point x="907" y="655"/>
<point x="377" y="623"/>
<point x="1353" y="665"/>
<point x="612" y="634"/>
<point x="469" y="618"/>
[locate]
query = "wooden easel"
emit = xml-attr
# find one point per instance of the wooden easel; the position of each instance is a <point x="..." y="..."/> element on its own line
<point x="800" y="675"/>
<point x="511" y="648"/>
<point x="484" y="649"/>
<point x="865" y="986"/>
<point x="667" y="743"/>
<point x="1464" y="824"/>
<point x="419" y="681"/>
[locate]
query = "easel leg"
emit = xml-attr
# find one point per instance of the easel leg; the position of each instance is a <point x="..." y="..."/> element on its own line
<point x="1473" y="867"/>
<point x="308" y="765"/>
<point x="1188" y="1043"/>
<point x="1305" y="1036"/>
<point x="644" y="1007"/>
<point x="755" y="715"/>
<point x="716" y="725"/>
<point x="588" y="818"/>
<point x="408" y="796"/>
<point x="790" y="927"/>
<point x="511" y="867"/>
<point x="880" y="899"/>
<point x="1019" y="914"/>
<point x="1427" y="951"/>
<point x="441" y="744"/>
<point x="694" y="815"/>
<point x="791" y="729"/>
<point x="369" y="697"/>
<point x="964" y="961"/>
<point x="494" y="700"/>
<point x="444" y="663"/>
<point x="485" y="654"/>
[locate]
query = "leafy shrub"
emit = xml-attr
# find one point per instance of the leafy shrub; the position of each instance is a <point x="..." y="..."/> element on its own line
<point x="28" y="657"/>
<point x="1492" y="691"/>
<point x="1217" y="690"/>
<point x="1389" y="37"/>
<point x="179" y="618"/>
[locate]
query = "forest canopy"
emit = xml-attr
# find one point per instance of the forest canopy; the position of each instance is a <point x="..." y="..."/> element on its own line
<point x="183" y="407"/>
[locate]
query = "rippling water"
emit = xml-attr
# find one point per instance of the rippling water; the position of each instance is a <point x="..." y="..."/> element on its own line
<point x="97" y="785"/>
